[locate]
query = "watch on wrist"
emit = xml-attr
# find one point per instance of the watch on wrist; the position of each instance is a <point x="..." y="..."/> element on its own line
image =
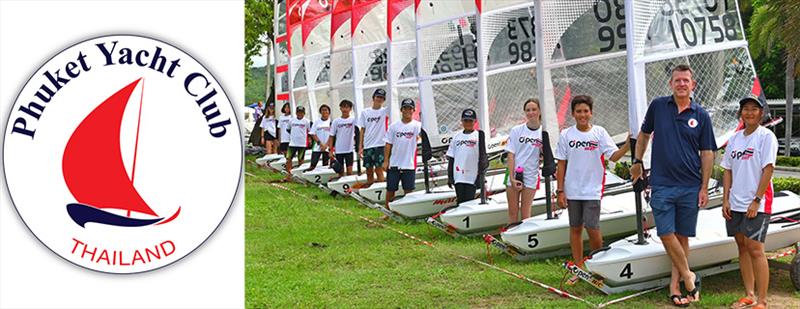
<point x="637" y="161"/>
<point x="559" y="191"/>
<point x="757" y="199"/>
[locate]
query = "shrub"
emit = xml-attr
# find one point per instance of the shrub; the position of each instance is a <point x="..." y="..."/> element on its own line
<point x="788" y="161"/>
<point x="623" y="170"/>
<point x="786" y="183"/>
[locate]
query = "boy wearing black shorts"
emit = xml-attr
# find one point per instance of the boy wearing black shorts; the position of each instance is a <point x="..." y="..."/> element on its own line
<point x="342" y="138"/>
<point x="298" y="133"/>
<point x="401" y="152"/>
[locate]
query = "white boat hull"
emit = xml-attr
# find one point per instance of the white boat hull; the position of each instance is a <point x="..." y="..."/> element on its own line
<point x="344" y="184"/>
<point x="420" y="204"/>
<point x="376" y="193"/>
<point x="627" y="263"/>
<point x="266" y="159"/>
<point x="320" y="175"/>
<point x="472" y="217"/>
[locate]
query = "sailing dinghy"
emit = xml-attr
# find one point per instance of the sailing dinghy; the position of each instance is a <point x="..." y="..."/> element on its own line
<point x="475" y="217"/>
<point x="624" y="262"/>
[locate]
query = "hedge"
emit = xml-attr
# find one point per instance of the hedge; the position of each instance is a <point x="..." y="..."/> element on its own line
<point x="788" y="161"/>
<point x="786" y="183"/>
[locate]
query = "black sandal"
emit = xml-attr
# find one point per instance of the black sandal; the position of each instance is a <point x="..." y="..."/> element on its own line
<point x="694" y="293"/>
<point x="676" y="301"/>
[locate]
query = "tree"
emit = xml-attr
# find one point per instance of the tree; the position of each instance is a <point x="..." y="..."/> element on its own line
<point x="258" y="19"/>
<point x="773" y="25"/>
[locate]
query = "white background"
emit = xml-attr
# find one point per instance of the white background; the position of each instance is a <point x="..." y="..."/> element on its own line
<point x="31" y="32"/>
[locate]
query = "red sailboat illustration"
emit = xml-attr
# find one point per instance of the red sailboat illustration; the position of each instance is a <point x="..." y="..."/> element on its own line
<point x="95" y="173"/>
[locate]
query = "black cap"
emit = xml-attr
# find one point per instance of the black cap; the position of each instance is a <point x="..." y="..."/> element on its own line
<point x="379" y="93"/>
<point x="300" y="109"/>
<point x="751" y="97"/>
<point x="408" y="103"/>
<point x="469" y="114"/>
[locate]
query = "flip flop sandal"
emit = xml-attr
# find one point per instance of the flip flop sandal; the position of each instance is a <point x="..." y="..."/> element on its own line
<point x="695" y="293"/>
<point x="743" y="302"/>
<point x="573" y="280"/>
<point x="676" y="300"/>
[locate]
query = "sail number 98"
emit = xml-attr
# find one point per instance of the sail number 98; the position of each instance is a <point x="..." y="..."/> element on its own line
<point x="520" y="31"/>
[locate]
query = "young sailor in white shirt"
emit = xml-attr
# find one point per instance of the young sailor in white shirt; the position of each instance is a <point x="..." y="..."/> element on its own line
<point x="749" y="161"/>
<point x="342" y="138"/>
<point x="523" y="150"/>
<point x="581" y="154"/>
<point x="320" y="131"/>
<point x="401" y="151"/>
<point x="283" y="125"/>
<point x="373" y="123"/>
<point x="466" y="158"/>
<point x="298" y="141"/>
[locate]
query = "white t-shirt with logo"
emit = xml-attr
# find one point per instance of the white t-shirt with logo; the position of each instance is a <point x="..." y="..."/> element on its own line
<point x="268" y="124"/>
<point x="746" y="157"/>
<point x="526" y="145"/>
<point x="283" y="124"/>
<point x="585" y="153"/>
<point x="403" y="137"/>
<point x="322" y="129"/>
<point x="374" y="122"/>
<point x="299" y="132"/>
<point x="344" y="130"/>
<point x="465" y="150"/>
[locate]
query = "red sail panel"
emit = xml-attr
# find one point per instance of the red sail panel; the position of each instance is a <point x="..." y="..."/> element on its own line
<point x="92" y="163"/>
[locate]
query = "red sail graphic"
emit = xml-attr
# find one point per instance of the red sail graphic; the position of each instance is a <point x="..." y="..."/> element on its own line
<point x="92" y="163"/>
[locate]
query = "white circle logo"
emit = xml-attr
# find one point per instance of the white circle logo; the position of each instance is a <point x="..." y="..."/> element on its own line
<point x="692" y="123"/>
<point x="122" y="154"/>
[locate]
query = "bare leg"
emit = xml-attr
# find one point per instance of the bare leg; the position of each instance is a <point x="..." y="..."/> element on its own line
<point x="289" y="169"/>
<point x="745" y="266"/>
<point x="349" y="170"/>
<point x="684" y="241"/>
<point x="370" y="178"/>
<point x="595" y="238"/>
<point x="512" y="194"/>
<point x="379" y="174"/>
<point x="760" y="268"/>
<point x="576" y="243"/>
<point x="527" y="200"/>
<point x="676" y="253"/>
<point x="389" y="198"/>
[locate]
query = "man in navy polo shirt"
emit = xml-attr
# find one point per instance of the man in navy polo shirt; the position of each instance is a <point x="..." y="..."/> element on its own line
<point x="682" y="157"/>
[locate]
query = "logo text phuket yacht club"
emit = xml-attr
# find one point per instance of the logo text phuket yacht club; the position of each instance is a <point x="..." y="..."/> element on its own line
<point x="122" y="154"/>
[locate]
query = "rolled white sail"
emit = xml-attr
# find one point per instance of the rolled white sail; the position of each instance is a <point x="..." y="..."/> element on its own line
<point x="447" y="65"/>
<point x="281" y="54"/>
<point x="297" y="75"/>
<point x="341" y="72"/>
<point x="317" y="49"/>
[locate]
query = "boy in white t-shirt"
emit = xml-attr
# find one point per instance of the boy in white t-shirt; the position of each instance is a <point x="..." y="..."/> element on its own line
<point x="298" y="140"/>
<point x="749" y="161"/>
<point x="342" y="139"/>
<point x="373" y="123"/>
<point x="581" y="153"/>
<point x="466" y="158"/>
<point x="401" y="152"/>
<point x="320" y="131"/>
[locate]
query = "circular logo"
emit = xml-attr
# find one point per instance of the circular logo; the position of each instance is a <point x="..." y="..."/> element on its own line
<point x="122" y="154"/>
<point x="692" y="123"/>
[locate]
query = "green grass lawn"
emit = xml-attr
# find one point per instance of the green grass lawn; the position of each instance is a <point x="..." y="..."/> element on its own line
<point x="303" y="252"/>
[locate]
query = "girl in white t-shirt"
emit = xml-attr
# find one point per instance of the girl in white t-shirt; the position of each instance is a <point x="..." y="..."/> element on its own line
<point x="283" y="128"/>
<point x="523" y="149"/>
<point x="748" y="161"/>
<point x="581" y="154"/>
<point x="269" y="126"/>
